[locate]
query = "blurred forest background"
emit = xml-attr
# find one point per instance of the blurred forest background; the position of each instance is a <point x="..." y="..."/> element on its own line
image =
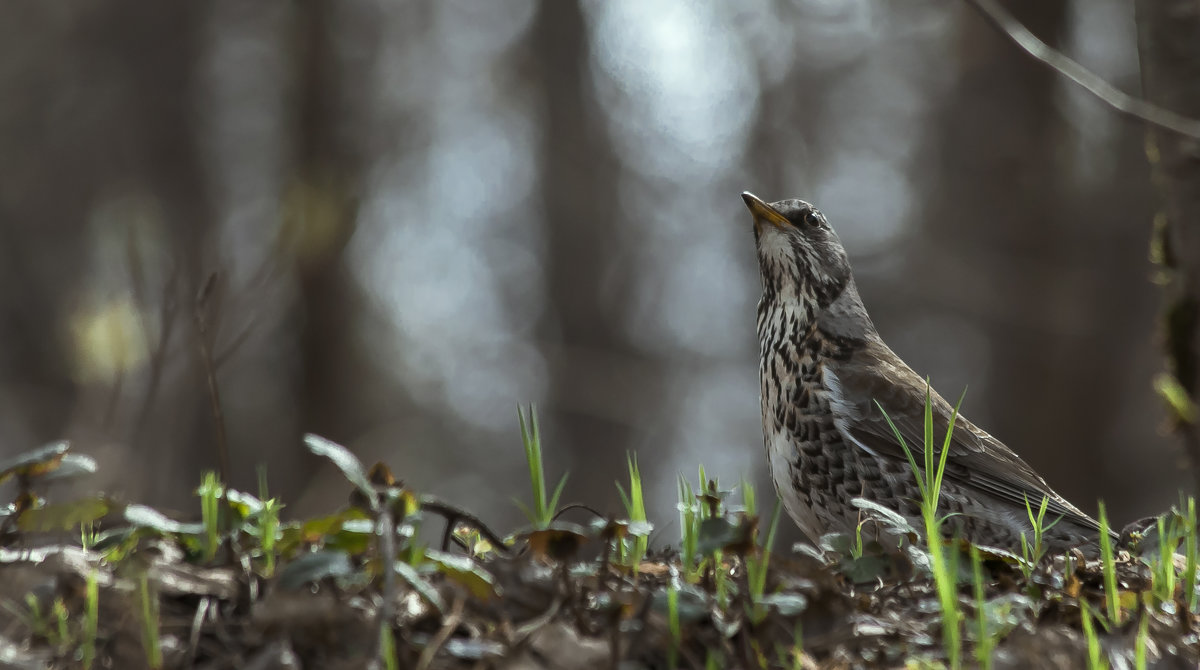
<point x="424" y="212"/>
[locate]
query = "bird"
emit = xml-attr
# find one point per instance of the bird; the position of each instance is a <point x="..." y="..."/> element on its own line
<point x="832" y="390"/>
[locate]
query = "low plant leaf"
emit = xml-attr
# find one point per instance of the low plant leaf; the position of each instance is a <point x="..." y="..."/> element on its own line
<point x="787" y="604"/>
<point x="1176" y="396"/>
<point x="865" y="569"/>
<point x="36" y="462"/>
<point x="347" y="462"/>
<point x="414" y="579"/>
<point x="717" y="533"/>
<point x="62" y="516"/>
<point x="71" y="466"/>
<point x="808" y="550"/>
<point x="836" y="543"/>
<point x="148" y="517"/>
<point x="466" y="572"/>
<point x="355" y="536"/>
<point x="692" y="605"/>
<point x="474" y="649"/>
<point x="640" y="528"/>
<point x="114" y="538"/>
<point x="1004" y="613"/>
<point x="888" y="518"/>
<point x="243" y="503"/>
<point x="314" y="566"/>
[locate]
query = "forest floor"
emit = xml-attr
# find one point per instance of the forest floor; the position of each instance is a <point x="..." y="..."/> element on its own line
<point x="97" y="583"/>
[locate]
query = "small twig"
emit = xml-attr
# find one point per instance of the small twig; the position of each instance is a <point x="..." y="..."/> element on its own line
<point x="453" y="515"/>
<point x="523" y="632"/>
<point x="200" y="316"/>
<point x="197" y="628"/>
<point x="114" y="397"/>
<point x="1088" y="80"/>
<point x="574" y="506"/>
<point x="448" y="535"/>
<point x="158" y="357"/>
<point x="266" y="272"/>
<point x="234" y="344"/>
<point x="449" y="625"/>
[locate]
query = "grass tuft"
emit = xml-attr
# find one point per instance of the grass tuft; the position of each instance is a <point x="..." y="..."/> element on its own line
<point x="543" y="510"/>
<point x="929" y="476"/>
<point x="210" y="492"/>
<point x="1034" y="552"/>
<point x="635" y="511"/>
<point x="689" y="527"/>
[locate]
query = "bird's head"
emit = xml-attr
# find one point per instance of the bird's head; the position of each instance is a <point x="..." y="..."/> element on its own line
<point x="800" y="258"/>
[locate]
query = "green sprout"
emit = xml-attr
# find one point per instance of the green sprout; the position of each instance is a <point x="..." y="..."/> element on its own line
<point x="1034" y="552"/>
<point x="543" y="510"/>
<point x="635" y="510"/>
<point x="210" y="492"/>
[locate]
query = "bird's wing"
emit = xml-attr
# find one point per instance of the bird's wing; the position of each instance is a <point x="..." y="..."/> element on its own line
<point x="978" y="460"/>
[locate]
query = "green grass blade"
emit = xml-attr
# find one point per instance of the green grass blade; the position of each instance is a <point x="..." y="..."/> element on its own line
<point x="946" y="443"/>
<point x="552" y="507"/>
<point x="1095" y="653"/>
<point x="1190" y="550"/>
<point x="531" y="440"/>
<point x="927" y="424"/>
<point x="1108" y="567"/>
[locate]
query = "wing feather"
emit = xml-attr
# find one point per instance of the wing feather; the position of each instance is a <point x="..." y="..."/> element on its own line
<point x="976" y="459"/>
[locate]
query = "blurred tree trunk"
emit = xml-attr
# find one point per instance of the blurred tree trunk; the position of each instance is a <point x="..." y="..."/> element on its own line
<point x="320" y="209"/>
<point x="1169" y="47"/>
<point x="101" y="110"/>
<point x="578" y="173"/>
<point x="1059" y="362"/>
<point x="992" y="139"/>
<point x="164" y="58"/>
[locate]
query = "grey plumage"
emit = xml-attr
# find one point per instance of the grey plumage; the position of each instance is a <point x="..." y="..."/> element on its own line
<point x="823" y="367"/>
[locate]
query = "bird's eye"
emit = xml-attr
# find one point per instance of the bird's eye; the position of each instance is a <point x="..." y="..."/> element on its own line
<point x="814" y="219"/>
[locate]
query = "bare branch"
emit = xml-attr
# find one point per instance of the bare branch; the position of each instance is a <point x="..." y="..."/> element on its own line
<point x="1090" y="81"/>
<point x="205" y="336"/>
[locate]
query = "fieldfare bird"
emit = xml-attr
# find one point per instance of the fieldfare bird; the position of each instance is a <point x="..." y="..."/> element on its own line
<point x="823" y="368"/>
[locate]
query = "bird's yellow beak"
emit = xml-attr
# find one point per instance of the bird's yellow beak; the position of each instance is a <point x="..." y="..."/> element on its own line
<point x="764" y="212"/>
